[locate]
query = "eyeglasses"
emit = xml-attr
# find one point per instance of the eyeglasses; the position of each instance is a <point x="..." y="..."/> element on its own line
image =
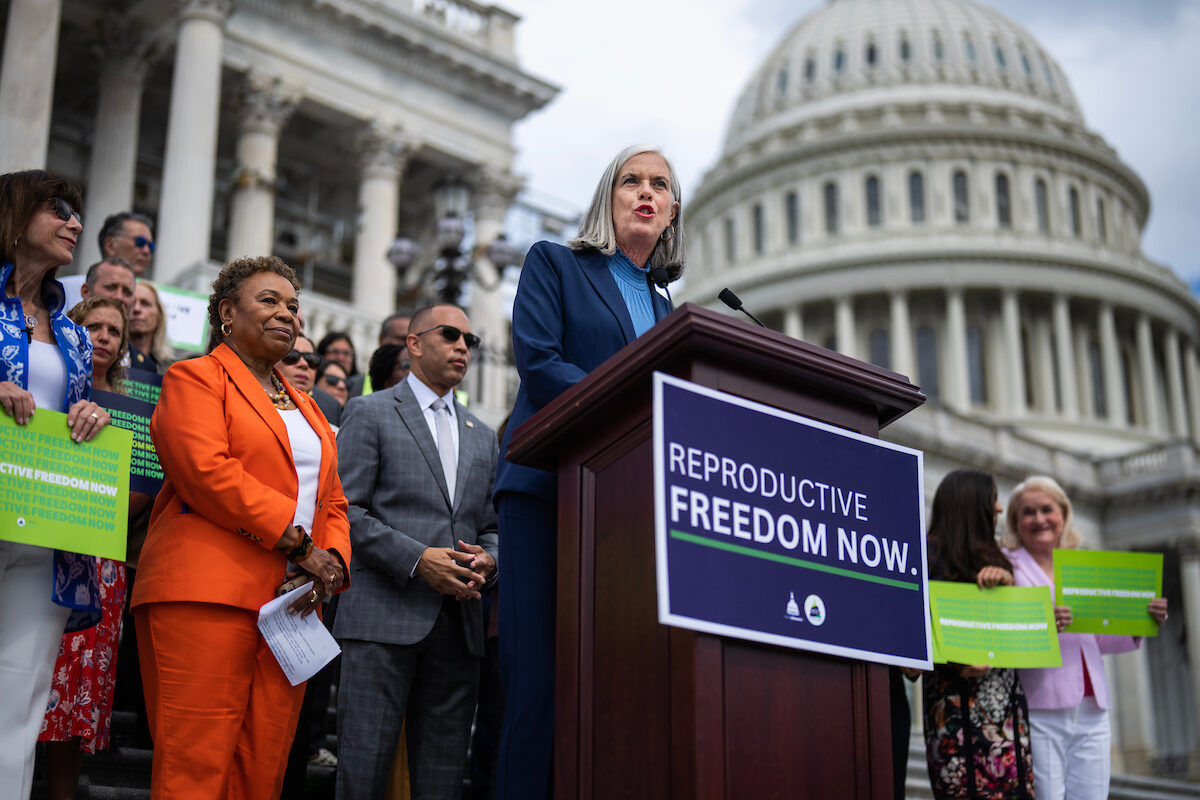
<point x="333" y="380"/>
<point x="141" y="241"/>
<point x="451" y="335"/>
<point x="291" y="359"/>
<point x="64" y="210"/>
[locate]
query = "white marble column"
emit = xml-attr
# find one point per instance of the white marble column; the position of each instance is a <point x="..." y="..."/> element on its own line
<point x="793" y="322"/>
<point x="27" y="82"/>
<point x="1133" y="708"/>
<point x="381" y="149"/>
<point x="267" y="104"/>
<point x="1010" y="315"/>
<point x="844" y="326"/>
<point x="189" y="164"/>
<point x="1189" y="573"/>
<point x="1110" y="357"/>
<point x="954" y="377"/>
<point x="1191" y="372"/>
<point x="902" y="336"/>
<point x="1066" y="362"/>
<point x="494" y="193"/>
<point x="1177" y="406"/>
<point x="1043" y="366"/>
<point x="1147" y="374"/>
<point x="126" y="54"/>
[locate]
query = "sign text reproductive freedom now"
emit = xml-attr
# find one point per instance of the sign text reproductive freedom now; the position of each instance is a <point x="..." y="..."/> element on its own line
<point x="776" y="528"/>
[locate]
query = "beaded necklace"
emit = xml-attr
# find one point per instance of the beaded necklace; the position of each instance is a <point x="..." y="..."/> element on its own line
<point x="279" y="398"/>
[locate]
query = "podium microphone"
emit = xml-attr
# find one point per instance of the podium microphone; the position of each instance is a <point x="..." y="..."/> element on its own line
<point x="730" y="299"/>
<point x="660" y="277"/>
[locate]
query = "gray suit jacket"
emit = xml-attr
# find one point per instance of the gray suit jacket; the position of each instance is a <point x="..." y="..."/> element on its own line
<point x="393" y="479"/>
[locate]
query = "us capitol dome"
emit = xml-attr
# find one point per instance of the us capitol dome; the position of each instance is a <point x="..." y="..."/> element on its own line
<point x="913" y="183"/>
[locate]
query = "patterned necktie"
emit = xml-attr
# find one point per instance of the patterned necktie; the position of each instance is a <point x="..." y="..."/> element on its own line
<point x="445" y="444"/>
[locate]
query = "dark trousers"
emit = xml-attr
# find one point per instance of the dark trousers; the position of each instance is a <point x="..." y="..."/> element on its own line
<point x="432" y="685"/>
<point x="528" y="558"/>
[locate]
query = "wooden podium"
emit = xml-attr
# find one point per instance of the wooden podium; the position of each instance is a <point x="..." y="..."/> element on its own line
<point x="644" y="710"/>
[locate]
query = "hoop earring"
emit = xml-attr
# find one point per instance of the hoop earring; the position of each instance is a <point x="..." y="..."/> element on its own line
<point x="226" y="331"/>
<point x="667" y="234"/>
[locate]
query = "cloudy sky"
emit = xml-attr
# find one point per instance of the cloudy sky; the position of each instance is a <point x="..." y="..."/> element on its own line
<point x="667" y="72"/>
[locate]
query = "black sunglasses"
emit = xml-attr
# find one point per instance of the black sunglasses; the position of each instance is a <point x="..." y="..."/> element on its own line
<point x="333" y="380"/>
<point x="64" y="210"/>
<point x="451" y="334"/>
<point x="141" y="241"/>
<point x="291" y="359"/>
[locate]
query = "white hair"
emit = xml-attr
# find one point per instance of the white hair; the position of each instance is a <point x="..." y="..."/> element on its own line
<point x="596" y="230"/>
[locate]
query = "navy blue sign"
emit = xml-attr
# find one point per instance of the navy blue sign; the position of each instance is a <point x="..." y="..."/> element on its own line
<point x="779" y="529"/>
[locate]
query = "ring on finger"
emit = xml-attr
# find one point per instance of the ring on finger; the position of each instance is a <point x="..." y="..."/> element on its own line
<point x="94" y="415"/>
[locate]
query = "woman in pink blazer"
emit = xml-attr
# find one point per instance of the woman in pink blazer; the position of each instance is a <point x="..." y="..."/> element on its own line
<point x="1068" y="705"/>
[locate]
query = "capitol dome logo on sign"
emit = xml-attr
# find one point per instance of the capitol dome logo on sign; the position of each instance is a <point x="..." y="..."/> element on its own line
<point x="814" y="610"/>
<point x="793" y="608"/>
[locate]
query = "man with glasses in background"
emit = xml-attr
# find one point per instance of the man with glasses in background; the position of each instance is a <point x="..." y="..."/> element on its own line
<point x="129" y="236"/>
<point x="417" y="468"/>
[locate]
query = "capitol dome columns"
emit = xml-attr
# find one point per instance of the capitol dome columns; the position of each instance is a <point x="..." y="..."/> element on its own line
<point x="1176" y="405"/>
<point x="267" y="104"/>
<point x="956" y="351"/>
<point x="185" y="208"/>
<point x="1015" y="379"/>
<point x="1110" y="356"/>
<point x="27" y="82"/>
<point x="1063" y="350"/>
<point x="902" y="351"/>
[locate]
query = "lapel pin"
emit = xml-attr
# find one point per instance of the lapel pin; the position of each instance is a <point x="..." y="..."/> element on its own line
<point x="470" y="424"/>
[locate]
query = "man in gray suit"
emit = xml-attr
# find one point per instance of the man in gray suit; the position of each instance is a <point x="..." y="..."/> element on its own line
<point x="417" y="469"/>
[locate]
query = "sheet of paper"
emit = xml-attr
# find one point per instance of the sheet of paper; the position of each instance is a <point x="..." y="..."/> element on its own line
<point x="300" y="644"/>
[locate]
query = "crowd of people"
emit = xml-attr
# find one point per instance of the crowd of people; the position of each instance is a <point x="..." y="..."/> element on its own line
<point x="285" y="466"/>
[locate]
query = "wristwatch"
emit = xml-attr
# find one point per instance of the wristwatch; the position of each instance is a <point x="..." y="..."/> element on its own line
<point x="303" y="548"/>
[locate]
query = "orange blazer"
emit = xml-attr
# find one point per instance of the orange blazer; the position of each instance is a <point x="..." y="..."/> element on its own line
<point x="230" y="489"/>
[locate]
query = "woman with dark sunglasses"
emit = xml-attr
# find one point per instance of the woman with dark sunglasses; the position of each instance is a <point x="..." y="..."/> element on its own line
<point x="302" y="367"/>
<point x="45" y="362"/>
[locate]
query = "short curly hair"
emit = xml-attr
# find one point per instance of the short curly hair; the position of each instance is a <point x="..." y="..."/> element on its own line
<point x="231" y="278"/>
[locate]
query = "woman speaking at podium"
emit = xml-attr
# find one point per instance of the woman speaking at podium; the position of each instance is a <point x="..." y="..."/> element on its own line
<point x="575" y="307"/>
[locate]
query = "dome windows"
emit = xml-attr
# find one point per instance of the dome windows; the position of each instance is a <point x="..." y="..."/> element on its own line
<point x="759" y="228"/>
<point x="1003" y="203"/>
<point x="969" y="48"/>
<point x="916" y="197"/>
<point x="1001" y="62"/>
<point x="1025" y="65"/>
<point x="962" y="203"/>
<point x="905" y="49"/>
<point x="791" y="210"/>
<point x="1101" y="222"/>
<point x="874" y="209"/>
<point x="831" y="208"/>
<point x="939" y="49"/>
<point x="1076" y="215"/>
<point x="1047" y="73"/>
<point x="810" y="69"/>
<point x="839" y="60"/>
<point x="1041" y="205"/>
<point x="730" y="242"/>
<point x="781" y="81"/>
<point x="871" y="54"/>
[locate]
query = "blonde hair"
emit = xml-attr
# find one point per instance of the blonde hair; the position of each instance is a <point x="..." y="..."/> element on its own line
<point x="1070" y="538"/>
<point x="158" y="342"/>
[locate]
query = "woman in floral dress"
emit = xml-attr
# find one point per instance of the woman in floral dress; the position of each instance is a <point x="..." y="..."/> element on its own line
<point x="976" y="720"/>
<point x="79" y="709"/>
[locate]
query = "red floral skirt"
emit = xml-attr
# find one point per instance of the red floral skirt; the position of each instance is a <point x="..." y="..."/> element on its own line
<point x="81" y="691"/>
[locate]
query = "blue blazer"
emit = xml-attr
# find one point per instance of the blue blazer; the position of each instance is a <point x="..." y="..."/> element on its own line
<point x="568" y="318"/>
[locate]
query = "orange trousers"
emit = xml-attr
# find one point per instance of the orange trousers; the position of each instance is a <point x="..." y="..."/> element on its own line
<point x="222" y="713"/>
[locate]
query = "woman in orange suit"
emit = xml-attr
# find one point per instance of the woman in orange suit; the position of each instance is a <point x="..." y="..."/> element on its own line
<point x="251" y="499"/>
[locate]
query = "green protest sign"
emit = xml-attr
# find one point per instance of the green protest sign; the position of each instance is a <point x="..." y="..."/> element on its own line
<point x="1108" y="591"/>
<point x="1003" y="627"/>
<point x="58" y="493"/>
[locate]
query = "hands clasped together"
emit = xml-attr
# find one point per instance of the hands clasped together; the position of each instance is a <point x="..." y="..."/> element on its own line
<point x="459" y="573"/>
<point x="323" y="567"/>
